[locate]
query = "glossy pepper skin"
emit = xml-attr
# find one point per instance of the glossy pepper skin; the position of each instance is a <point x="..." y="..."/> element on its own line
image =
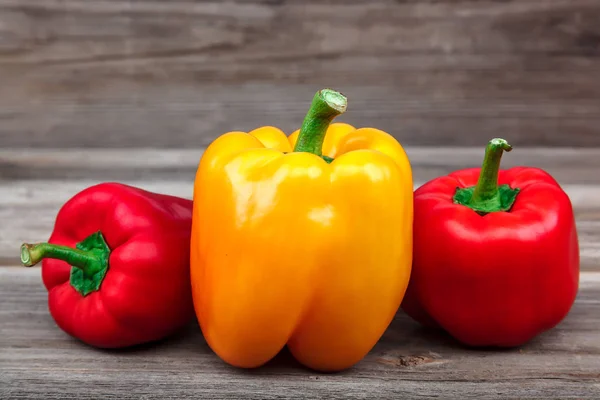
<point x="292" y="247"/>
<point x="116" y="266"/>
<point x="493" y="265"/>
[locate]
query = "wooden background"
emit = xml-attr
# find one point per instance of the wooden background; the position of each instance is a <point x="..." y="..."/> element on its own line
<point x="151" y="73"/>
<point x="132" y="91"/>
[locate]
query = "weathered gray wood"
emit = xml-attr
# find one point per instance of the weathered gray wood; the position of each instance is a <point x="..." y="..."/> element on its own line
<point x="567" y="165"/>
<point x="39" y="360"/>
<point x="172" y="74"/>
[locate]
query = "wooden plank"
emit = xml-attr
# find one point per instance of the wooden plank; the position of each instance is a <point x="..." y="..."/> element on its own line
<point x="567" y="165"/>
<point x="28" y="209"/>
<point x="122" y="73"/>
<point x="38" y="360"/>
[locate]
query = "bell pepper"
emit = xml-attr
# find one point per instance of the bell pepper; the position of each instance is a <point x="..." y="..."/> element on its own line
<point x="303" y="241"/>
<point x="496" y="253"/>
<point x="116" y="266"/>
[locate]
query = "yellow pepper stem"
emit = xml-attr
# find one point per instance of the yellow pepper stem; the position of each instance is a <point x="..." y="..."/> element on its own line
<point x="326" y="105"/>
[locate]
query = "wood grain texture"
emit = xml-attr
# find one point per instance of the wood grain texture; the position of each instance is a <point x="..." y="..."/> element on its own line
<point x="126" y="73"/>
<point x="38" y="360"/>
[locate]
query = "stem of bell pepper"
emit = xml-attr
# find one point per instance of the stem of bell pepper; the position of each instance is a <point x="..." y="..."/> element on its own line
<point x="89" y="260"/>
<point x="31" y="254"/>
<point x="326" y="105"/>
<point x="487" y="196"/>
<point x="487" y="184"/>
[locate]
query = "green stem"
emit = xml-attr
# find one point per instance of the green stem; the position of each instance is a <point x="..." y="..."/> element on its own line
<point x="31" y="254"/>
<point x="326" y="105"/>
<point x="486" y="196"/>
<point x="487" y="184"/>
<point x="89" y="260"/>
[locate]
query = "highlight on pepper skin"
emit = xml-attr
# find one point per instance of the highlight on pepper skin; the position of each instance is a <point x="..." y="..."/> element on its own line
<point x="302" y="241"/>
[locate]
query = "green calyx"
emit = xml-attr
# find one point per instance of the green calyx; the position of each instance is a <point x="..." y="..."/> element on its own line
<point x="89" y="260"/>
<point x="326" y="105"/>
<point x="487" y="197"/>
<point x="501" y="202"/>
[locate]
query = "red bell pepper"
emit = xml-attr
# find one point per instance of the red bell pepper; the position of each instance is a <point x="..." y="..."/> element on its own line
<point x="496" y="253"/>
<point x="117" y="265"/>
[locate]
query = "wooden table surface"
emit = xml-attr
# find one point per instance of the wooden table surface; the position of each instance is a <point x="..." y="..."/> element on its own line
<point x="116" y="75"/>
<point x="37" y="360"/>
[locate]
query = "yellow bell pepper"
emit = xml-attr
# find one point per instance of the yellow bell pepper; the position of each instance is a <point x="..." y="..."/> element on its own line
<point x="303" y="241"/>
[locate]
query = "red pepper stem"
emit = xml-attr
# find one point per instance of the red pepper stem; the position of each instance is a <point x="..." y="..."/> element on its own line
<point x="487" y="197"/>
<point x="326" y="105"/>
<point x="487" y="184"/>
<point x="89" y="263"/>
